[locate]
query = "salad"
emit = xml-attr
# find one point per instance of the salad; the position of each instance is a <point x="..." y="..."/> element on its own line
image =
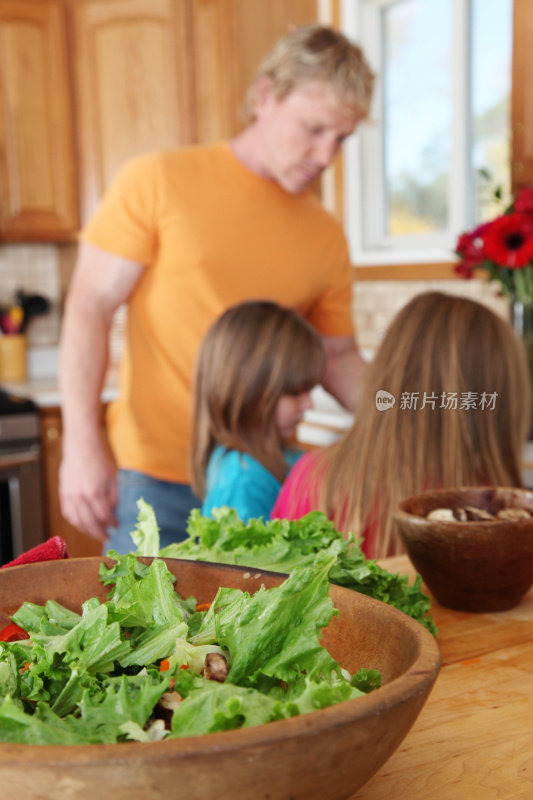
<point x="281" y="546"/>
<point x="148" y="664"/>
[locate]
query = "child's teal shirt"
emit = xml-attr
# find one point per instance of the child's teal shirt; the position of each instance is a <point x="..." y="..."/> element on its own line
<point x="239" y="481"/>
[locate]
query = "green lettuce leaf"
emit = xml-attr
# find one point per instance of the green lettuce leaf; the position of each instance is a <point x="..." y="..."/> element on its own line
<point x="142" y="595"/>
<point x="216" y="706"/>
<point x="282" y="545"/>
<point x="274" y="632"/>
<point x="96" y="677"/>
<point x="43" y="726"/>
<point x="278" y="545"/>
<point x="146" y="533"/>
<point x="123" y="699"/>
<point x="93" y="645"/>
<point x="8" y="672"/>
<point x="154" y="644"/>
<point x="210" y="706"/>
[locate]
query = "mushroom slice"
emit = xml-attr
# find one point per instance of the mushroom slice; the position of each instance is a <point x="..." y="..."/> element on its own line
<point x="165" y="707"/>
<point x="215" y="668"/>
<point x="441" y="515"/>
<point x="156" y="730"/>
<point x="478" y="514"/>
<point x="513" y="514"/>
<point x="170" y="700"/>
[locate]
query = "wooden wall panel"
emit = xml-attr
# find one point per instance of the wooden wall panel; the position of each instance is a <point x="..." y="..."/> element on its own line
<point x="522" y="96"/>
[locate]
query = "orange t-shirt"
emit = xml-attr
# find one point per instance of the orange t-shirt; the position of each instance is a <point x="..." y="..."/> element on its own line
<point x="210" y="233"/>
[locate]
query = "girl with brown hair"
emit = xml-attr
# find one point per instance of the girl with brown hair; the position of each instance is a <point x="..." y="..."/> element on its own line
<point x="445" y="402"/>
<point x="254" y="372"/>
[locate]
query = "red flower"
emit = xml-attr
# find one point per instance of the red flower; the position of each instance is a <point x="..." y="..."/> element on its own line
<point x="470" y="248"/>
<point x="508" y="240"/>
<point x="524" y="201"/>
<point x="470" y="245"/>
<point x="465" y="269"/>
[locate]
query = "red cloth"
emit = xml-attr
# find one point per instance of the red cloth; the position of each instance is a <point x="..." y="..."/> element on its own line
<point x="51" y="550"/>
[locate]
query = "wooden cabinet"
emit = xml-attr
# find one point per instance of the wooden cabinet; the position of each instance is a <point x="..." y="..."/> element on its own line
<point x="79" y="544"/>
<point x="522" y="96"/>
<point x="85" y="85"/>
<point x="38" y="189"/>
<point x="153" y="74"/>
<point x="133" y="84"/>
<point x="229" y="38"/>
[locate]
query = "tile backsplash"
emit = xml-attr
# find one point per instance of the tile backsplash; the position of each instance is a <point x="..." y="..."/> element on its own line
<point x="376" y="302"/>
<point x="45" y="269"/>
<point x="33" y="268"/>
<point x="40" y="268"/>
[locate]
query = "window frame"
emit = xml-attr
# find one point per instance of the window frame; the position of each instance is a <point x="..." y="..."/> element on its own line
<point x="364" y="210"/>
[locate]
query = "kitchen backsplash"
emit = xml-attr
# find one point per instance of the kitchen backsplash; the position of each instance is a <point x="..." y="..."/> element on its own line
<point x="45" y="269"/>
<point x="40" y="268"/>
<point x="376" y="302"/>
<point x="33" y="268"/>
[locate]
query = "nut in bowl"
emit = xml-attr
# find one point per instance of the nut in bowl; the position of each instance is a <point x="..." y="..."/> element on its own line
<point x="473" y="546"/>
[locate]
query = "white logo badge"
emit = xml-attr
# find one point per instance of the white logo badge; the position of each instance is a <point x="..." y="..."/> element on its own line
<point x="384" y="400"/>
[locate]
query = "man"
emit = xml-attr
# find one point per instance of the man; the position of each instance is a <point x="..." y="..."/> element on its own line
<point x="182" y="235"/>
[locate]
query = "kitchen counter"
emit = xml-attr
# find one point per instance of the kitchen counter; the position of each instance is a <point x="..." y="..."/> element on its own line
<point x="473" y="738"/>
<point x="41" y="385"/>
<point x="322" y="424"/>
<point x="45" y="393"/>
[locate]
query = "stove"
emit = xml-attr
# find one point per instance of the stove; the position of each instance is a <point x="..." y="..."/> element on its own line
<point x="12" y="404"/>
<point x="21" y="492"/>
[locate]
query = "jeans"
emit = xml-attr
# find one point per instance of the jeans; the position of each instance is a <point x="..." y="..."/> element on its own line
<point x="172" y="504"/>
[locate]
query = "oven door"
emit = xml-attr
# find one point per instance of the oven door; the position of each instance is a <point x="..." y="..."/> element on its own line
<point x="21" y="502"/>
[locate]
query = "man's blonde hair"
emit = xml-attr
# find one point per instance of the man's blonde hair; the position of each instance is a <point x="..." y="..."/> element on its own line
<point x="315" y="52"/>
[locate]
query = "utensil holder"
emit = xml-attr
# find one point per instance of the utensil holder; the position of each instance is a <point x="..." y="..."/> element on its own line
<point x="13" y="357"/>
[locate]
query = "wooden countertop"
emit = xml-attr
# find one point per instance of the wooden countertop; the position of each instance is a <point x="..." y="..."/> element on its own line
<point x="44" y="390"/>
<point x="474" y="737"/>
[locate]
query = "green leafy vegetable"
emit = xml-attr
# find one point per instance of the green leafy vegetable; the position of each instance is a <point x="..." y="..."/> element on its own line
<point x="283" y="545"/>
<point x="274" y="633"/>
<point x="98" y="676"/>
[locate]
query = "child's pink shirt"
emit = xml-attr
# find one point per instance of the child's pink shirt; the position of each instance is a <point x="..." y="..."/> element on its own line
<point x="298" y="496"/>
<point x="294" y="499"/>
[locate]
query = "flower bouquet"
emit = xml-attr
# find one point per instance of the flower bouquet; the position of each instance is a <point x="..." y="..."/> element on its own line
<point x="503" y="248"/>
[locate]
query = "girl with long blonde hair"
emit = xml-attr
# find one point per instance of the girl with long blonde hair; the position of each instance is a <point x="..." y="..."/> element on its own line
<point x="445" y="402"/>
<point x="254" y="372"/>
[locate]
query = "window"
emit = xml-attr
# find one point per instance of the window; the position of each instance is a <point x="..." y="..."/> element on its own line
<point x="425" y="166"/>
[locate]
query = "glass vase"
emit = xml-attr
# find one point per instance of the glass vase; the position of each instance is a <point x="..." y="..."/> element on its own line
<point x="522" y="321"/>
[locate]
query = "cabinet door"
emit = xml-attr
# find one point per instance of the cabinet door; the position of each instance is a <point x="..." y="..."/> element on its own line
<point x="37" y="162"/>
<point x="522" y="96"/>
<point x="133" y="84"/>
<point x="229" y="38"/>
<point x="153" y="74"/>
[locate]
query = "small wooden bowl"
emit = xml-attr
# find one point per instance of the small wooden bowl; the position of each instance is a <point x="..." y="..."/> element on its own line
<point x="328" y="753"/>
<point x="478" y="566"/>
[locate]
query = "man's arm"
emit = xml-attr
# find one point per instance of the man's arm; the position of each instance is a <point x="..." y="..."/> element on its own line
<point x="344" y="369"/>
<point x="87" y="478"/>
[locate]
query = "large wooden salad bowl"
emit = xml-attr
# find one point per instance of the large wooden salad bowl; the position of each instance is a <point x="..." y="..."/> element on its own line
<point x="328" y="753"/>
